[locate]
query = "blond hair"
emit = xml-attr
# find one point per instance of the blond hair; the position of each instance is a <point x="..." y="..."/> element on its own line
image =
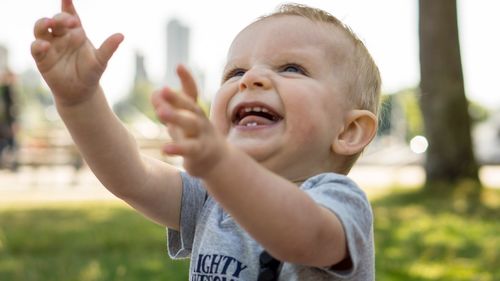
<point x="365" y="81"/>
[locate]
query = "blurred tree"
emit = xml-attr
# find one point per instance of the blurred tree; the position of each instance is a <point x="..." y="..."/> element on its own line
<point x="405" y="103"/>
<point x="38" y="115"/>
<point x="384" y="117"/>
<point x="478" y="112"/>
<point x="413" y="114"/>
<point x="138" y="99"/>
<point x="450" y="157"/>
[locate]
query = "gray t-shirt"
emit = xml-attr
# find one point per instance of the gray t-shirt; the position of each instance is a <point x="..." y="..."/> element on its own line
<point x="221" y="250"/>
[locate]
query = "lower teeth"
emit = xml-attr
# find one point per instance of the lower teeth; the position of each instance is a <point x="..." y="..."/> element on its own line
<point x="253" y="124"/>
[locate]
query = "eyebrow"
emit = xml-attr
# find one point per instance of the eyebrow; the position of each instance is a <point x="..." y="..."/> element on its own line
<point x="228" y="66"/>
<point x="297" y="54"/>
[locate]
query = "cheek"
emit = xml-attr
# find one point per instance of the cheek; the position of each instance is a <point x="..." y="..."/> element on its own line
<point x="307" y="123"/>
<point x="305" y="128"/>
<point x="312" y="123"/>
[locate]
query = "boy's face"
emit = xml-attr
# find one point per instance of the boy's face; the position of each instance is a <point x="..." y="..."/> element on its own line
<point x="283" y="95"/>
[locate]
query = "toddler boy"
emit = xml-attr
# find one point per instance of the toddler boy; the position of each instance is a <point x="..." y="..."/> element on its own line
<point x="266" y="172"/>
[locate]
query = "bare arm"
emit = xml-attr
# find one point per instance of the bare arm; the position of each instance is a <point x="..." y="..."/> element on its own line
<point x="273" y="210"/>
<point x="149" y="185"/>
<point x="285" y="220"/>
<point x="72" y="67"/>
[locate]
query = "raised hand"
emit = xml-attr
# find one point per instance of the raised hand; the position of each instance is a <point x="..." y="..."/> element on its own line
<point x="194" y="137"/>
<point x="67" y="60"/>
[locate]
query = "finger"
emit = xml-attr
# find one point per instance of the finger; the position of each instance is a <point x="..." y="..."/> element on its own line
<point x="161" y="108"/>
<point x="163" y="111"/>
<point x="39" y="49"/>
<point x="108" y="47"/>
<point x="156" y="99"/>
<point x="68" y="7"/>
<point x="185" y="120"/>
<point x="42" y="28"/>
<point x="45" y="56"/>
<point x="179" y="101"/>
<point x="175" y="133"/>
<point x="63" y="22"/>
<point x="187" y="147"/>
<point x="172" y="149"/>
<point x="188" y="83"/>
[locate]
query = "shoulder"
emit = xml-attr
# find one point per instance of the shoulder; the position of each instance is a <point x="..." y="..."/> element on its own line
<point x="332" y="181"/>
<point x="341" y="195"/>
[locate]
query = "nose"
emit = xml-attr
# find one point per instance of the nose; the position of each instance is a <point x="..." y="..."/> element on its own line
<point x="255" y="78"/>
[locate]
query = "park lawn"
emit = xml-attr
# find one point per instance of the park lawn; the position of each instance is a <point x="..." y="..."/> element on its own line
<point x="417" y="238"/>
<point x="421" y="237"/>
<point x="85" y="241"/>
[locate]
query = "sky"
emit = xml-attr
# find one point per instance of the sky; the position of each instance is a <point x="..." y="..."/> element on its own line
<point x="387" y="27"/>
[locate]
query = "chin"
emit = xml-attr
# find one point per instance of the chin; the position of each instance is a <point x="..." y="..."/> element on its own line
<point x="258" y="152"/>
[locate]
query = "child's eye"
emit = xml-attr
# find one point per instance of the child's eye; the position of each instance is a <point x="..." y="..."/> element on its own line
<point x="233" y="73"/>
<point x="293" y="68"/>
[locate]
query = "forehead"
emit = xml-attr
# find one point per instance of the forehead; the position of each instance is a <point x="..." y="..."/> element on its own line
<point x="289" y="33"/>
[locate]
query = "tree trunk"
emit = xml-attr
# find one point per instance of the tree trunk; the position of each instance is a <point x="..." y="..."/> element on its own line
<point x="450" y="158"/>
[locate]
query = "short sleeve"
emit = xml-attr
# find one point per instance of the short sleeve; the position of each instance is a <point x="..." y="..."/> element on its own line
<point x="349" y="203"/>
<point x="193" y="198"/>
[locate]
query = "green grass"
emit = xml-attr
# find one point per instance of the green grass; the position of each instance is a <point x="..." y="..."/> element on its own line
<point x="421" y="237"/>
<point x="418" y="237"/>
<point x="84" y="242"/>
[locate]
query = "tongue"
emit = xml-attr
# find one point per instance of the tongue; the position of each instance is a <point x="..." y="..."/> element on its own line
<point x="254" y="120"/>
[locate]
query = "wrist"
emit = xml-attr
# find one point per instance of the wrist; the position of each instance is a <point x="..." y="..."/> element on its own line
<point x="216" y="162"/>
<point x="76" y="99"/>
<point x="91" y="98"/>
<point x="227" y="160"/>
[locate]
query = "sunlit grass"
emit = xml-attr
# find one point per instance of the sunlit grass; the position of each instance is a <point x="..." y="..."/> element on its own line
<point x="418" y="237"/>
<point x="85" y="241"/>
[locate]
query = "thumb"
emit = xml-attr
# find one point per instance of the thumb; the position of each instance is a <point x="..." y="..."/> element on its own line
<point x="108" y="47"/>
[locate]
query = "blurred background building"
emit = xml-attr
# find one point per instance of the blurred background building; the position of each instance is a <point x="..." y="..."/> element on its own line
<point x="3" y="58"/>
<point x="177" y="50"/>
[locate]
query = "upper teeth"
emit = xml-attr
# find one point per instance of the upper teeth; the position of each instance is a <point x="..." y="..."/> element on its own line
<point x="256" y="109"/>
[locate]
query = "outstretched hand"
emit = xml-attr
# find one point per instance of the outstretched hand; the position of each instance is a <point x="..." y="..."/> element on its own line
<point x="67" y="60"/>
<point x="193" y="136"/>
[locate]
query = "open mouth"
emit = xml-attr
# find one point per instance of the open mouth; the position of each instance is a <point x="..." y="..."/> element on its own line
<point x="255" y="115"/>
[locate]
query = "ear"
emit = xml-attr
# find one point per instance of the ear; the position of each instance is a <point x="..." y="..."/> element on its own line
<point x="359" y="129"/>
